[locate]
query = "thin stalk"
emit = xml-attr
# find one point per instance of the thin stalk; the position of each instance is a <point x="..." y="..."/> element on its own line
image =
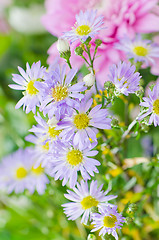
<point x="131" y="126"/>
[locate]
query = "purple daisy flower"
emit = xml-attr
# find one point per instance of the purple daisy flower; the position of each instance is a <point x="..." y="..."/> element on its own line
<point x="47" y="130"/>
<point x="84" y="199"/>
<point x="124" y="77"/>
<point x="81" y="126"/>
<point x="57" y="92"/>
<point x="108" y="220"/>
<point x="18" y="173"/>
<point x="152" y="105"/>
<point x="27" y="82"/>
<point x="138" y="49"/>
<point x="72" y="159"/>
<point x="87" y="25"/>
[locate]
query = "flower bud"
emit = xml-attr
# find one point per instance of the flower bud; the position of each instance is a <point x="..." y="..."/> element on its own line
<point x="115" y="122"/>
<point x="98" y="42"/>
<point x="132" y="207"/>
<point x="128" y="220"/>
<point x="91" y="237"/>
<point x="89" y="79"/>
<point x="79" y="51"/>
<point x="63" y="45"/>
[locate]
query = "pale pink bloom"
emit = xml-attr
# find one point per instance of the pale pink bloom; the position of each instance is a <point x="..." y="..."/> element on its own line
<point x="121" y="17"/>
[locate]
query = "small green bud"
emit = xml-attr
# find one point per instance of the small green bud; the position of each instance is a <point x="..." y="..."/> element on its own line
<point x="128" y="220"/>
<point x="114" y="122"/>
<point x="79" y="51"/>
<point x="144" y="126"/>
<point x="132" y="207"/>
<point x="91" y="237"/>
<point x="140" y="92"/>
<point x="88" y="40"/>
<point x="98" y="42"/>
<point x="108" y="85"/>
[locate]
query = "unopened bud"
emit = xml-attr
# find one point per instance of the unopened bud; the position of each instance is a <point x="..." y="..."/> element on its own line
<point x="128" y="220"/>
<point x="114" y="122"/>
<point x="132" y="207"/>
<point x="91" y="237"/>
<point x="89" y="79"/>
<point x="88" y="40"/>
<point x="140" y="92"/>
<point x="63" y="45"/>
<point x="79" y="51"/>
<point x="98" y="42"/>
<point x="144" y="126"/>
<point x="108" y="85"/>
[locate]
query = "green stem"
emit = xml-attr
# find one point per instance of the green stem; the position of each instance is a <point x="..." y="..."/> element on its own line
<point x="132" y="124"/>
<point x="86" y="60"/>
<point x="68" y="62"/>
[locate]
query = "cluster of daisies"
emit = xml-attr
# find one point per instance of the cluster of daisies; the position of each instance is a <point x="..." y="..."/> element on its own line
<point x="65" y="136"/>
<point x="64" y="139"/>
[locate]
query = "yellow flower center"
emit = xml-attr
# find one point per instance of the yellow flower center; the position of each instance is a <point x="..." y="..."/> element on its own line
<point x="156" y="106"/>
<point x="53" y="133"/>
<point x="140" y="51"/>
<point x="21" y="172"/>
<point x="83" y="30"/>
<point x="109" y="221"/>
<point x="37" y="170"/>
<point x="31" y="89"/>
<point x="45" y="147"/>
<point x="81" y="120"/>
<point x="59" y="92"/>
<point x="74" y="157"/>
<point x="89" y="202"/>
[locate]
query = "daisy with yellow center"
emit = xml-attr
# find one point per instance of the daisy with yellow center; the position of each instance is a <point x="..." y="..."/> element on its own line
<point x="72" y="159"/>
<point x="19" y="173"/>
<point x="84" y="199"/>
<point x="30" y="88"/>
<point x="58" y="92"/>
<point x="37" y="171"/>
<point x="83" y="124"/>
<point x="108" y="220"/>
<point x="151" y="104"/>
<point x="139" y="49"/>
<point x="45" y="134"/>
<point x="26" y="82"/>
<point x="87" y="25"/>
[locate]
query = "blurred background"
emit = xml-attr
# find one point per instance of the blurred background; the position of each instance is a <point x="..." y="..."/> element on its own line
<point x="23" y="39"/>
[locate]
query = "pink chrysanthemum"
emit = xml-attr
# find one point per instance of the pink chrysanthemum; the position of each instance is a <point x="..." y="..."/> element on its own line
<point x="126" y="17"/>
